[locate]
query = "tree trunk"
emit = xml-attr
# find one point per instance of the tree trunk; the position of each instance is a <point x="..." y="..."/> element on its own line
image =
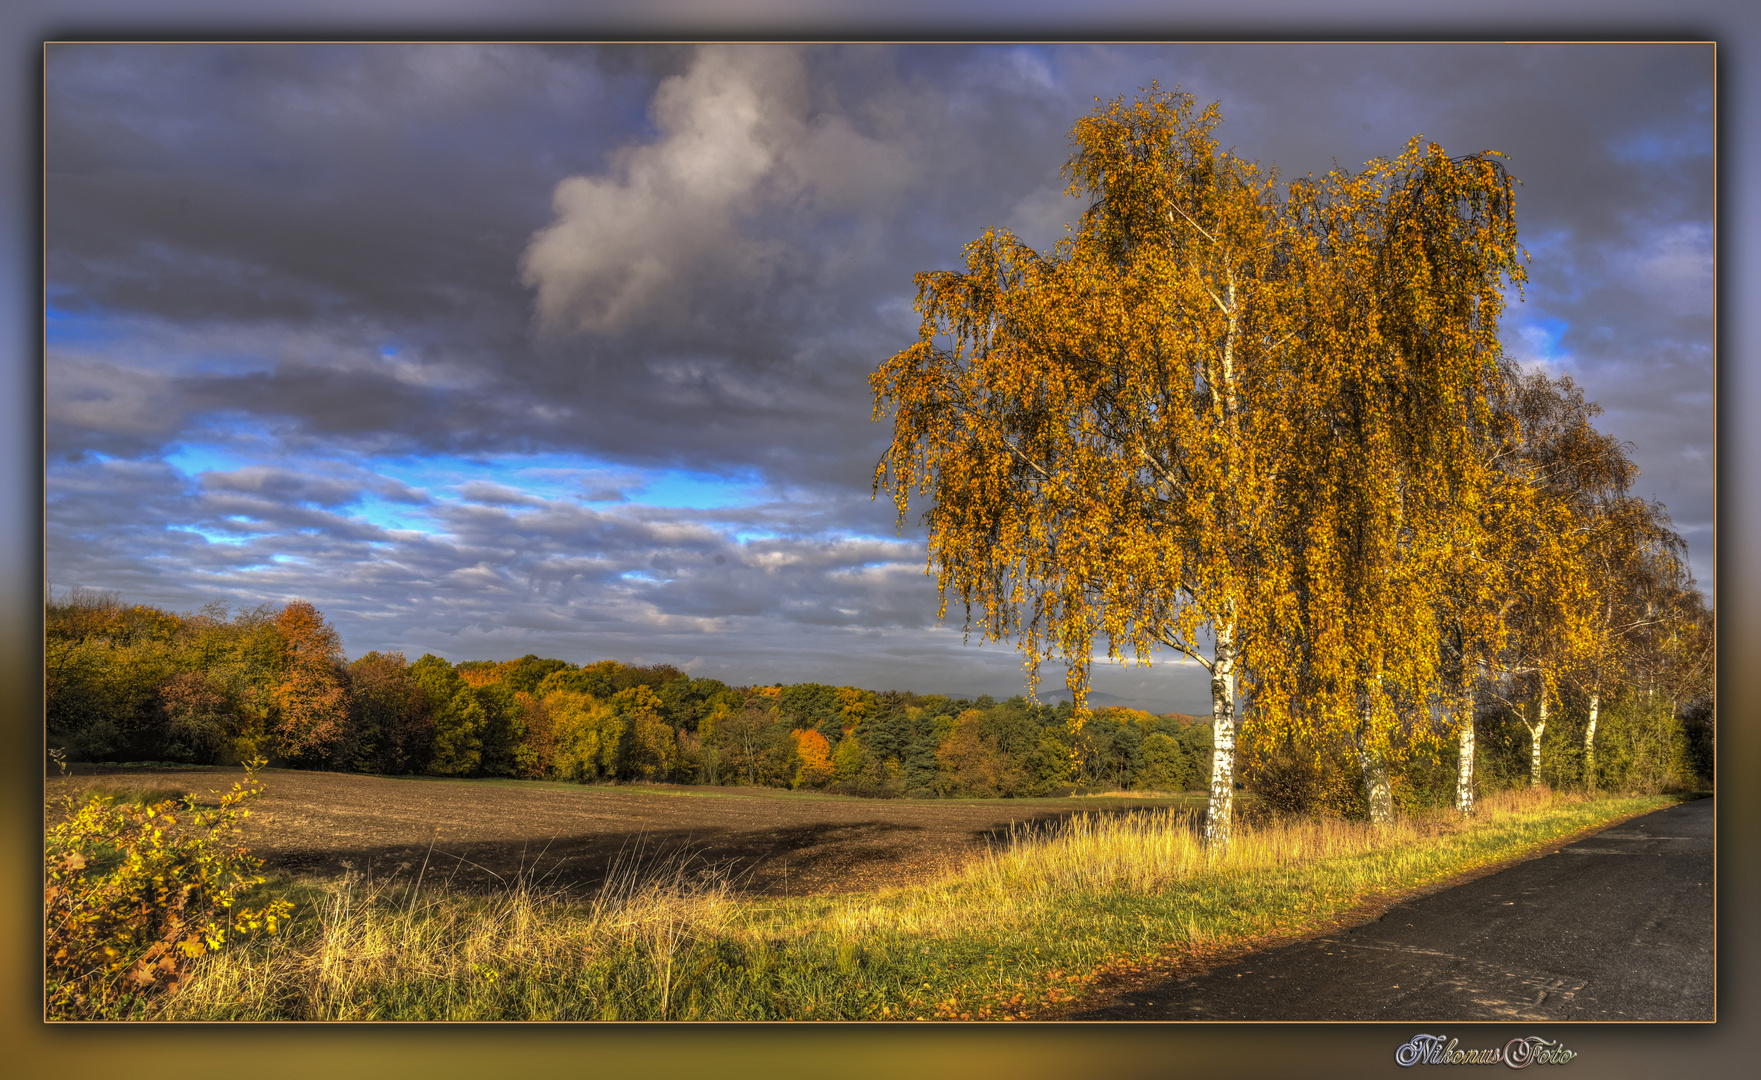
<point x="1218" y="819"/>
<point x="1590" y="740"/>
<point x="1536" y="730"/>
<point x="1377" y="790"/>
<point x="1464" y="774"/>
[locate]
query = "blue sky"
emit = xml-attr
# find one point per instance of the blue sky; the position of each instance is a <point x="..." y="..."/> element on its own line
<point x="490" y="349"/>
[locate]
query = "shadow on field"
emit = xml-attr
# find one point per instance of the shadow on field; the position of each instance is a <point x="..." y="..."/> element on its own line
<point x="797" y="860"/>
<point x="480" y="836"/>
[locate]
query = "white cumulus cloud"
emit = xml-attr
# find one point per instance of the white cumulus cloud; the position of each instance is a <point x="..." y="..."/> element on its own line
<point x="739" y="135"/>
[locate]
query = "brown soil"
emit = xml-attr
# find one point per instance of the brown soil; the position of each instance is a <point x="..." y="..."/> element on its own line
<point x="481" y="834"/>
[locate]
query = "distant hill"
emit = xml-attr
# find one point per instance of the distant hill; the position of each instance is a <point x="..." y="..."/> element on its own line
<point x="1097" y="699"/>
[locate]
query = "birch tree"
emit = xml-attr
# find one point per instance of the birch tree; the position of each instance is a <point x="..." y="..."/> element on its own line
<point x="1218" y="420"/>
<point x="1635" y="565"/>
<point x="1400" y="370"/>
<point x="1098" y="429"/>
<point x="1577" y="478"/>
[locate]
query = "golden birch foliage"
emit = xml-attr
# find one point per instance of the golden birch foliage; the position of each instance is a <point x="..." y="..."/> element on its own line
<point x="1097" y="428"/>
<point x="1394" y="376"/>
<point x="1557" y="470"/>
<point x="1213" y="408"/>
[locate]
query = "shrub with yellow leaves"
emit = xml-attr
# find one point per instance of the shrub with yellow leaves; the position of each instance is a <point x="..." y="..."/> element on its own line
<point x="135" y="894"/>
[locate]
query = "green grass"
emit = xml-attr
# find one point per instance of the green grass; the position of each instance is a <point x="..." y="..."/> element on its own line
<point x="1018" y="934"/>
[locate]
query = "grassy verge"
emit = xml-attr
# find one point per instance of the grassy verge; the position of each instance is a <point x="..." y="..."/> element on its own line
<point x="1020" y="933"/>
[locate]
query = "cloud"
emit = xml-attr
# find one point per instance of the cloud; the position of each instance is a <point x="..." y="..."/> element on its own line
<point x="1671" y="267"/>
<point x="619" y="243"/>
<point x="493" y="494"/>
<point x="496" y="349"/>
<point x="735" y="137"/>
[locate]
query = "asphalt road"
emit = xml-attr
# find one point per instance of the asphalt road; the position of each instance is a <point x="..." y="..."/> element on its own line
<point x="1617" y="926"/>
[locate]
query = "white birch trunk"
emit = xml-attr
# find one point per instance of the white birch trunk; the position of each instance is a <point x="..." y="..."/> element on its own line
<point x="1377" y="790"/>
<point x="1464" y="774"/>
<point x="1590" y="740"/>
<point x="1220" y="816"/>
<point x="1536" y="730"/>
<point x="1218" y="819"/>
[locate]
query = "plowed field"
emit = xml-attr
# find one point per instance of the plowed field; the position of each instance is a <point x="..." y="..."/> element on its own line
<point x="475" y="834"/>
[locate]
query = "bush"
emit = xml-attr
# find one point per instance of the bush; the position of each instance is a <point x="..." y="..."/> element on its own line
<point x="135" y="893"/>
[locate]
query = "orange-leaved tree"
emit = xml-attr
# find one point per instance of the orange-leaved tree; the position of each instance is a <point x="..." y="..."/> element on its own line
<point x="814" y="753"/>
<point x="1236" y="423"/>
<point x="310" y="702"/>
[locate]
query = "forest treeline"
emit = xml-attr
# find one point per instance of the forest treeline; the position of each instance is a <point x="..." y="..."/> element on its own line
<point x="137" y="683"/>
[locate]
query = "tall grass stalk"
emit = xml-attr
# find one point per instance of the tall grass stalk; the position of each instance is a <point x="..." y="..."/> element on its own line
<point x="362" y="952"/>
<point x="1020" y="932"/>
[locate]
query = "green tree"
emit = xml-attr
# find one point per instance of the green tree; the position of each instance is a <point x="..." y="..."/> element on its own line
<point x="392" y="731"/>
<point x="849" y="760"/>
<point x="586" y="735"/>
<point x="458" y="717"/>
<point x="651" y="744"/>
<point x="754" y="744"/>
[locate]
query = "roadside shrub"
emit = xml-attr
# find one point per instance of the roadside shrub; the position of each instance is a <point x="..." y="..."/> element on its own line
<point x="1292" y="779"/>
<point x="1287" y="784"/>
<point x="136" y="892"/>
<point x="1644" y="748"/>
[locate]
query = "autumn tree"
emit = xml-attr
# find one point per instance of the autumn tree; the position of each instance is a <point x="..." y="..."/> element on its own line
<point x="586" y="735"/>
<point x="1402" y="269"/>
<point x="651" y="743"/>
<point x="1216" y="419"/>
<point x="202" y="717"/>
<point x="104" y="665"/>
<point x="310" y="699"/>
<point x="813" y="757"/>
<point x="1099" y="435"/>
<point x="1562" y="477"/>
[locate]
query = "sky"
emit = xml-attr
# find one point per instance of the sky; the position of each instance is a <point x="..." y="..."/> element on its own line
<point x="496" y="349"/>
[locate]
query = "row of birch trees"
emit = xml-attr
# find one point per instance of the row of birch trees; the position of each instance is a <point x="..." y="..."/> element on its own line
<point x="1270" y="427"/>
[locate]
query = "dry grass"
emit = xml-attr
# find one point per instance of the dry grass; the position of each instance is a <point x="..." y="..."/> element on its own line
<point x="1152" y="852"/>
<point x="1016" y="932"/>
<point x="124" y="790"/>
<point x="371" y="953"/>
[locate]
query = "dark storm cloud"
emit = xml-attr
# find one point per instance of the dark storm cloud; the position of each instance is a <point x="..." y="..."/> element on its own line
<point x="315" y="259"/>
<point x="722" y="240"/>
<point x="386" y="195"/>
